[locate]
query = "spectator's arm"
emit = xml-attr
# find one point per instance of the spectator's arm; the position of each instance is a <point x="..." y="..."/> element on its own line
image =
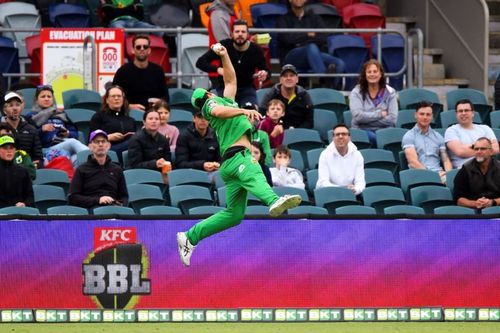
<point x="204" y="62"/>
<point x="412" y="158"/>
<point x="460" y="149"/>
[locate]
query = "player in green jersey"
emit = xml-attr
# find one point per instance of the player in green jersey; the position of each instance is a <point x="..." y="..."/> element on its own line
<point x="239" y="170"/>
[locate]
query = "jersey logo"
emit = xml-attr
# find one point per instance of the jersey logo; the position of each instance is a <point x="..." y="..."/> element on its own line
<point x="211" y="104"/>
<point x="241" y="168"/>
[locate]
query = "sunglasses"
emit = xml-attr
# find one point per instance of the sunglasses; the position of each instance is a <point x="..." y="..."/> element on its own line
<point x="142" y="47"/>
<point x="44" y="87"/>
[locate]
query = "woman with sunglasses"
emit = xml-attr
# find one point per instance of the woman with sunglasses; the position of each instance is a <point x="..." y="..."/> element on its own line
<point x="57" y="132"/>
<point x="114" y="119"/>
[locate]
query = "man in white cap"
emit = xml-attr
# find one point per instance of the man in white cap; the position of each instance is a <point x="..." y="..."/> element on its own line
<point x="15" y="188"/>
<point x="99" y="181"/>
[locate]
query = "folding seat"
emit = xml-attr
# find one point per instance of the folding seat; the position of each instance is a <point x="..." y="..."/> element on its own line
<point x="347" y="118"/>
<point x="282" y="190"/>
<point x="327" y="12"/>
<point x="303" y="210"/>
<point x="144" y="176"/>
<point x="353" y="51"/>
<point x="9" y="59"/>
<point x="81" y="119"/>
<point x="355" y="210"/>
<point x="379" y="159"/>
<point x="204" y="210"/>
<point x="180" y="118"/>
<point x="363" y="15"/>
<point x="33" y="49"/>
<point x="412" y="178"/>
<point x="477" y="98"/>
<point x="491" y="210"/>
<point x="82" y="99"/>
<point x="14" y="210"/>
<point x="329" y="99"/>
<point x="19" y="15"/>
<point x="67" y="15"/>
<point x="67" y="210"/>
<point x="48" y="196"/>
<point x="160" y="210"/>
<point x="189" y="196"/>
<point x="390" y="139"/>
<point x="113" y="210"/>
<point x="29" y="97"/>
<point x="52" y="177"/>
<point x="313" y="157"/>
<point x="193" y="46"/>
<point x="431" y="196"/>
<point x="312" y="179"/>
<point x="448" y="118"/>
<point x="260" y="95"/>
<point x="450" y="178"/>
<point x="393" y="56"/>
<point x="264" y="15"/>
<point x="410" y="97"/>
<point x="495" y="119"/>
<point x="403" y="209"/>
<point x="189" y="177"/>
<point x="403" y="162"/>
<point x="302" y="139"/>
<point x="324" y="121"/>
<point x="360" y="138"/>
<point x="454" y="210"/>
<point x="382" y="196"/>
<point x="334" y="197"/>
<point x="160" y="53"/>
<point x="406" y="119"/>
<point x="143" y="195"/>
<point x="376" y="177"/>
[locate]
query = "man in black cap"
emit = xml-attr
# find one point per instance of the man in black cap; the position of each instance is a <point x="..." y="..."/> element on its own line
<point x="99" y="181"/>
<point x="298" y="104"/>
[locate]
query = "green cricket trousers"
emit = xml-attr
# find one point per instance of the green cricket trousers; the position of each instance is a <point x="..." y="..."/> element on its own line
<point x="241" y="174"/>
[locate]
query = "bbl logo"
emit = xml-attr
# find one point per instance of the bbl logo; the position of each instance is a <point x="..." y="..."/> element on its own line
<point x="115" y="273"/>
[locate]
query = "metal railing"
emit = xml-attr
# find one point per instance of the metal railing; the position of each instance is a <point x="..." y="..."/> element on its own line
<point x="178" y="74"/>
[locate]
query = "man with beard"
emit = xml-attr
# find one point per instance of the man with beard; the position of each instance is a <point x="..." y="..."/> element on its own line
<point x="142" y="81"/>
<point x="477" y="184"/>
<point x="247" y="59"/>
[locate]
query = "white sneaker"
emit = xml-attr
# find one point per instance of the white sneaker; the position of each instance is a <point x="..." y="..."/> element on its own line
<point x="185" y="248"/>
<point x="283" y="203"/>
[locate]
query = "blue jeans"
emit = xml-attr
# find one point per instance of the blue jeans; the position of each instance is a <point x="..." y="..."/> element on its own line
<point x="132" y="23"/>
<point x="310" y="57"/>
<point x="72" y="147"/>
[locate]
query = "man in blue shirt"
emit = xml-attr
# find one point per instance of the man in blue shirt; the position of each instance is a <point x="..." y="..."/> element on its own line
<point x="424" y="148"/>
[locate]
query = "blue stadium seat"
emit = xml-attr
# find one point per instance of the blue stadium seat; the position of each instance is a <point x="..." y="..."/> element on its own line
<point x="334" y="197"/>
<point x="302" y="210"/>
<point x="376" y="177"/>
<point x="430" y="196"/>
<point x="52" y="177"/>
<point x="48" y="196"/>
<point x="81" y="119"/>
<point x="403" y="209"/>
<point x="382" y="196"/>
<point x="393" y="56"/>
<point x="282" y="190"/>
<point x="329" y="99"/>
<point x="313" y="157"/>
<point x="379" y="159"/>
<point x="412" y="178"/>
<point x="390" y="139"/>
<point x="160" y="210"/>
<point x="450" y="178"/>
<point x="113" y="210"/>
<point x="312" y="179"/>
<point x="324" y="121"/>
<point x="406" y="119"/>
<point x="328" y="13"/>
<point x="355" y="210"/>
<point x="9" y="59"/>
<point x="180" y="98"/>
<point x="13" y="210"/>
<point x="144" y="195"/>
<point x="180" y="118"/>
<point x="19" y="15"/>
<point x="353" y="51"/>
<point x="204" y="210"/>
<point x="82" y="99"/>
<point x="302" y="139"/>
<point x="264" y="15"/>
<point x="495" y="119"/>
<point x="454" y="210"/>
<point x="66" y="15"/>
<point x="189" y="176"/>
<point x="257" y="210"/>
<point x="144" y="176"/>
<point x="67" y="210"/>
<point x="189" y="196"/>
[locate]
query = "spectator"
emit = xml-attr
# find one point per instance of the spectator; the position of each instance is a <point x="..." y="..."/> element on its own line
<point x="16" y="188"/>
<point x="25" y="134"/>
<point x="148" y="149"/>
<point x="142" y="81"/>
<point x="282" y="174"/>
<point x="341" y="164"/>
<point x="114" y="119"/>
<point x="372" y="102"/>
<point x="55" y="128"/>
<point x="260" y="136"/>
<point x="124" y="14"/>
<point x="21" y="158"/>
<point x="477" y="183"/>
<point x="460" y="137"/>
<point x="246" y="58"/>
<point x="197" y="146"/>
<point x="259" y="155"/>
<point x="169" y="131"/>
<point x="98" y="182"/>
<point x="272" y="124"/>
<point x="424" y="147"/>
<point x="305" y="50"/>
<point x="298" y="104"/>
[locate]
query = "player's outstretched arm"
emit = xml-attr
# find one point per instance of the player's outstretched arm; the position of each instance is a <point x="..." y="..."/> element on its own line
<point x="230" y="84"/>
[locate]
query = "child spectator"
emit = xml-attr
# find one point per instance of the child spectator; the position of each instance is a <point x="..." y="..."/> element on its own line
<point x="272" y="124"/>
<point x="169" y="131"/>
<point x="283" y="175"/>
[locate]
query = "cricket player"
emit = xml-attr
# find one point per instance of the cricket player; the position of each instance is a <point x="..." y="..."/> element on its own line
<point x="239" y="170"/>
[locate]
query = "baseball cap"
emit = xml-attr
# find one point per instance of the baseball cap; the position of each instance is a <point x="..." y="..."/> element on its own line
<point x="197" y="94"/>
<point x="6" y="139"/>
<point x="96" y="133"/>
<point x="12" y="95"/>
<point x="288" y="67"/>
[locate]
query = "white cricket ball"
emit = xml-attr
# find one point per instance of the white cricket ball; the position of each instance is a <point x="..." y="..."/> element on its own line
<point x="217" y="47"/>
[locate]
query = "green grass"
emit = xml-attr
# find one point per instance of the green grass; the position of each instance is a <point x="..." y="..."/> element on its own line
<point x="450" y="327"/>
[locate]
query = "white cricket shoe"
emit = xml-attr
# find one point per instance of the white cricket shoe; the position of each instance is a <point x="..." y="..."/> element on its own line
<point x="283" y="203"/>
<point x="185" y="248"/>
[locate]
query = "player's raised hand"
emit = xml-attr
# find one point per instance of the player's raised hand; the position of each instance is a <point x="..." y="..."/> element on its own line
<point x="253" y="115"/>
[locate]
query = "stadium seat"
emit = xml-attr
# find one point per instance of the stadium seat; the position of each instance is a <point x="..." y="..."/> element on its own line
<point x="406" y="119"/>
<point x="82" y="99"/>
<point x="477" y="98"/>
<point x="180" y="98"/>
<point x="160" y="53"/>
<point x="327" y="12"/>
<point x="403" y="209"/>
<point x="14" y="210"/>
<point x="29" y="97"/>
<point x="363" y="16"/>
<point x="313" y="157"/>
<point x="393" y="56"/>
<point x="19" y="15"/>
<point x="358" y="136"/>
<point x="495" y="119"/>
<point x="9" y="59"/>
<point x="171" y="14"/>
<point x="189" y="177"/>
<point x="430" y="196"/>
<point x="113" y="210"/>
<point x="160" y="210"/>
<point x="450" y="178"/>
<point x="48" y="196"/>
<point x="403" y="162"/>
<point x="81" y="119"/>
<point x="340" y="4"/>
<point x="410" y="97"/>
<point x="379" y="159"/>
<point x="125" y="159"/>
<point x="382" y="196"/>
<point x="376" y="177"/>
<point x="497" y="133"/>
<point x="355" y="210"/>
<point x="282" y="190"/>
<point x="188" y="196"/>
<point x="204" y="210"/>
<point x="193" y="46"/>
<point x="67" y="210"/>
<point x="257" y="210"/>
<point x="302" y="139"/>
<point x="52" y="177"/>
<point x="491" y="210"/>
<point x="448" y="118"/>
<point x="264" y="15"/>
<point x="180" y="118"/>
<point x="144" y="176"/>
<point x="347" y="117"/>
<point x="83" y="156"/>
<point x="302" y="210"/>
<point x="353" y="51"/>
<point x="329" y="99"/>
<point x="260" y="95"/>
<point x="324" y="120"/>
<point x="144" y="195"/>
<point x="34" y="53"/>
<point x="418" y="177"/>
<point x="333" y="197"/>
<point x="454" y="210"/>
<point x="67" y="15"/>
<point x="312" y="179"/>
<point x="390" y="139"/>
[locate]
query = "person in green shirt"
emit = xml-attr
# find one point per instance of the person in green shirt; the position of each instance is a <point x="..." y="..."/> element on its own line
<point x="240" y="172"/>
<point x="21" y="157"/>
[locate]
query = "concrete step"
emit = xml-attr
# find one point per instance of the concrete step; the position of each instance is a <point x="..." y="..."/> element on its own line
<point x="434" y="71"/>
<point x="433" y="55"/>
